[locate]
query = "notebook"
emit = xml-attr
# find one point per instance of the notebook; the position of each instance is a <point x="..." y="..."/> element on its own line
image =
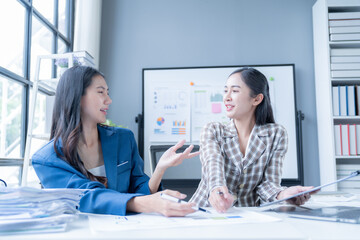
<point x="354" y="174"/>
<point x="345" y="214"/>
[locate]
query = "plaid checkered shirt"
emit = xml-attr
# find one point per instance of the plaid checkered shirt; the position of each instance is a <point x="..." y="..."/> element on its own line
<point x="253" y="178"/>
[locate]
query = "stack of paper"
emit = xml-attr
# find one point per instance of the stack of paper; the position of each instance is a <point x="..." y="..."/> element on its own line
<point x="344" y="26"/>
<point x="24" y="210"/>
<point x="345" y="62"/>
<point x="352" y="185"/>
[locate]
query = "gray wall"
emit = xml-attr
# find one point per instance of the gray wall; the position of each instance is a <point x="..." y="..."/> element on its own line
<point x="140" y="34"/>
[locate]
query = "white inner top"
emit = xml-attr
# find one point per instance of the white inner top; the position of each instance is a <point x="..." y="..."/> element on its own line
<point x="98" y="171"/>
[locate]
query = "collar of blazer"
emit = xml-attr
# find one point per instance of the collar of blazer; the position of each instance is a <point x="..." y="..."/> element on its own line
<point x="110" y="153"/>
<point x="231" y="139"/>
<point x="104" y="129"/>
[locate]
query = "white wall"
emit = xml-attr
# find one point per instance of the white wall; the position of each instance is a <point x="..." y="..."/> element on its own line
<point x="87" y="30"/>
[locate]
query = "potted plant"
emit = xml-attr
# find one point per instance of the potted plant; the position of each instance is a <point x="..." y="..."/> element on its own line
<point x="108" y="122"/>
<point x="63" y="64"/>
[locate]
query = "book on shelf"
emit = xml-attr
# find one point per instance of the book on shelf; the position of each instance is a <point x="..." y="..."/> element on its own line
<point x="344" y="15"/>
<point x="345" y="59"/>
<point x="351" y="108"/>
<point x="345" y="37"/>
<point x="354" y="29"/>
<point x="344" y="22"/>
<point x="338" y="144"/>
<point x="344" y="173"/>
<point x="345" y="66"/>
<point x="345" y="73"/>
<point x="343" y="109"/>
<point x="357" y="129"/>
<point x="349" y="184"/>
<point x="345" y="51"/>
<point x="83" y="54"/>
<point x="349" y="167"/>
<point x="352" y="139"/>
<point x="345" y="140"/>
<point x="346" y="100"/>
<point x="357" y="100"/>
<point x="84" y="58"/>
<point x="344" y="170"/>
<point x="336" y="100"/>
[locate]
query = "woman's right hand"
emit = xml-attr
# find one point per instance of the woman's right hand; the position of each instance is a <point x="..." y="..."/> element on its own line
<point x="154" y="203"/>
<point x="221" y="199"/>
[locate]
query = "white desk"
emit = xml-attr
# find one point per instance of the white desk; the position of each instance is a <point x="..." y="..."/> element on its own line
<point x="288" y="228"/>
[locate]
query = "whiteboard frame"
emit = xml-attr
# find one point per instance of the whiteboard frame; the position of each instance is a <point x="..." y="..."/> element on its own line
<point x="298" y="120"/>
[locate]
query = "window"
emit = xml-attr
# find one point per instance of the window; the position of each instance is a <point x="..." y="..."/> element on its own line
<point x="37" y="27"/>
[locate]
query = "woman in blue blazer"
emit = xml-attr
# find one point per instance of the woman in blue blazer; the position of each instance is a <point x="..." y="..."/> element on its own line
<point x="84" y="154"/>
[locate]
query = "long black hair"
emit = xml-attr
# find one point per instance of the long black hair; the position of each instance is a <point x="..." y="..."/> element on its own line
<point x="66" y="121"/>
<point x="258" y="83"/>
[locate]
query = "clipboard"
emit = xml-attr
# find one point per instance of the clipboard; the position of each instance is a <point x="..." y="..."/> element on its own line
<point x="354" y="174"/>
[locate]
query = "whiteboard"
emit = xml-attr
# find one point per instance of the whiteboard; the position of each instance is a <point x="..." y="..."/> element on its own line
<point x="178" y="102"/>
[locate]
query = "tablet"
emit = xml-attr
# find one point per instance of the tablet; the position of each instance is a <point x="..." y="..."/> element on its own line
<point x="354" y="174"/>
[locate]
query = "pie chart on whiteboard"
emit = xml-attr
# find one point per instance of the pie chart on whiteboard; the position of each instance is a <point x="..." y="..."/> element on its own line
<point x="160" y="121"/>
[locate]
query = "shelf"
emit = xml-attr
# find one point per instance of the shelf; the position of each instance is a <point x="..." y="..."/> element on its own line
<point x="345" y="44"/>
<point x="343" y="6"/>
<point x="11" y="161"/>
<point x="357" y="157"/>
<point x="323" y="54"/>
<point x="49" y="85"/>
<point x="347" y="160"/>
<point x="41" y="136"/>
<point x="346" y="120"/>
<point x="345" y="81"/>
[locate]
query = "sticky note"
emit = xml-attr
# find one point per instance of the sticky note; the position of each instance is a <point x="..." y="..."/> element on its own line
<point x="216" y="108"/>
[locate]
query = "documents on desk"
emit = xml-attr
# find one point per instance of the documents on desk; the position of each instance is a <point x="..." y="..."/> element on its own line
<point x="24" y="210"/>
<point x="107" y="223"/>
<point x="334" y="207"/>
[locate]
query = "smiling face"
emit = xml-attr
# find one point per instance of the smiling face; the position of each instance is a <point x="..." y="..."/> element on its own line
<point x="237" y="98"/>
<point x="95" y="102"/>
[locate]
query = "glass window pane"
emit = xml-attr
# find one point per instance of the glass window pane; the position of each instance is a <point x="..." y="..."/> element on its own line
<point x="41" y="122"/>
<point x="11" y="94"/>
<point x="46" y="8"/>
<point x="12" y="37"/>
<point x="42" y="44"/>
<point x="62" y="48"/>
<point x="63" y="21"/>
<point x="11" y="175"/>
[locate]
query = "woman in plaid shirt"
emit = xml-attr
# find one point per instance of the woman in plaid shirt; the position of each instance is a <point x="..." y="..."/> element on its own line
<point x="242" y="160"/>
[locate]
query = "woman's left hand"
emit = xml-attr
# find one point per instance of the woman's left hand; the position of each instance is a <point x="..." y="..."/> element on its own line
<point x="299" y="200"/>
<point x="170" y="158"/>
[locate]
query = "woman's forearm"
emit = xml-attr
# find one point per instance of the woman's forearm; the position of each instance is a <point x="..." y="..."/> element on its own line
<point x="155" y="180"/>
<point x="138" y="204"/>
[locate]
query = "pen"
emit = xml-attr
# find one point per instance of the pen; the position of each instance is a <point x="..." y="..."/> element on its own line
<point x="174" y="199"/>
<point x="220" y="193"/>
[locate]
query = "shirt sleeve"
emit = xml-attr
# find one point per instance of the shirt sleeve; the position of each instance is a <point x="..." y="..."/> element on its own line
<point x="269" y="187"/>
<point x="211" y="158"/>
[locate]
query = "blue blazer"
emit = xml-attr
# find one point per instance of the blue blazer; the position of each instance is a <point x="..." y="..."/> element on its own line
<point x="124" y="171"/>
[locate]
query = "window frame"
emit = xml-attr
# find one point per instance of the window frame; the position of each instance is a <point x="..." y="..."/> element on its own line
<point x="25" y="81"/>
